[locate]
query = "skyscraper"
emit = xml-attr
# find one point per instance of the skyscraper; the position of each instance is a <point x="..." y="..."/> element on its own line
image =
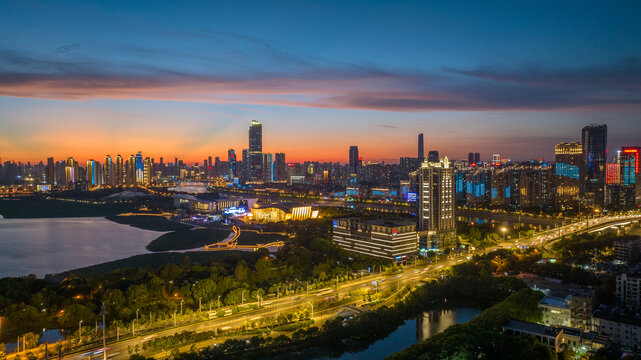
<point x="131" y="170"/>
<point x="50" y="172"/>
<point x="470" y="159"/>
<point x="630" y="179"/>
<point x="255" y="151"/>
<point x="119" y="170"/>
<point x="594" y="139"/>
<point x="147" y="170"/>
<point x="353" y="159"/>
<point x="567" y="174"/>
<point x="477" y="158"/>
<point x="139" y="168"/>
<point x="268" y="167"/>
<point x="108" y="171"/>
<point x="231" y="159"/>
<point x="280" y="167"/>
<point x="94" y="177"/>
<point x="421" y="148"/>
<point x="432" y="156"/>
<point x="436" y="218"/>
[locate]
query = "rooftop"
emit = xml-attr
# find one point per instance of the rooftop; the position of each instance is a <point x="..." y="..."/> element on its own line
<point x="532" y="328"/>
<point x="554" y="301"/>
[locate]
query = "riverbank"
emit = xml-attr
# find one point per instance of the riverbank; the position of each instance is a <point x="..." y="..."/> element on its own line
<point x="30" y="207"/>
<point x="152" y="261"/>
<point x="187" y="239"/>
<point x="149" y="222"/>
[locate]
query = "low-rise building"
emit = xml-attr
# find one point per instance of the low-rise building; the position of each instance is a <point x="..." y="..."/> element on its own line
<point x="620" y="327"/>
<point x="282" y="211"/>
<point x="387" y="239"/>
<point x="581" y="341"/>
<point x="207" y="204"/>
<point x="555" y="311"/>
<point x="547" y="335"/>
<point x="627" y="250"/>
<point x="628" y="291"/>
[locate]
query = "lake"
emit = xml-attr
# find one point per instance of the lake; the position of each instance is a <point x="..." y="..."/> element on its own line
<point x="52" y="245"/>
<point x="411" y="332"/>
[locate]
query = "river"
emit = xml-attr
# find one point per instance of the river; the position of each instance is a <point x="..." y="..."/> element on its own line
<point x="52" y="245"/>
<point x="411" y="332"/>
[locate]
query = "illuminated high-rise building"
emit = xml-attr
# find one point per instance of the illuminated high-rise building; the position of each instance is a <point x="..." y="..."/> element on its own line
<point x="354" y="159"/>
<point x="119" y="171"/>
<point x="131" y="170"/>
<point x="630" y="178"/>
<point x="147" y="170"/>
<point x="470" y="159"/>
<point x="421" y="148"/>
<point x="477" y="158"/>
<point x="94" y="173"/>
<point x="71" y="171"/>
<point x="595" y="139"/>
<point x="255" y="151"/>
<point x="139" y="168"/>
<point x="280" y="167"/>
<point x="231" y="159"/>
<point x="268" y="167"/>
<point x="108" y="171"/>
<point x="568" y="171"/>
<point x="496" y="159"/>
<point x="436" y="217"/>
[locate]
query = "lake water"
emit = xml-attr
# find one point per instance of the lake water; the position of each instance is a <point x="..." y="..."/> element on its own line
<point x="53" y="245"/>
<point x="412" y="332"/>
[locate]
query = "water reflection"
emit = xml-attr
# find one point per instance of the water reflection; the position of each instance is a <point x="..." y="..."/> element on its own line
<point x="434" y="322"/>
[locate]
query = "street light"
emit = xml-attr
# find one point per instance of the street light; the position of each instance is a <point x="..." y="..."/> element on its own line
<point x="103" y="311"/>
<point x="503" y="230"/>
<point x="242" y="297"/>
<point x="137" y="314"/>
<point x="219" y="301"/>
<point x="312" y="305"/>
<point x="80" y="332"/>
<point x="133" y="327"/>
<point x="200" y="304"/>
<point x="181" y="307"/>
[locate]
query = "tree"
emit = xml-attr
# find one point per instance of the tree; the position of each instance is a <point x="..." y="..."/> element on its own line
<point x="206" y="289"/>
<point x="74" y="313"/>
<point x="241" y="271"/>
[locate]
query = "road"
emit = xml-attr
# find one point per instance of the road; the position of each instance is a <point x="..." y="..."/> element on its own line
<point x="410" y="275"/>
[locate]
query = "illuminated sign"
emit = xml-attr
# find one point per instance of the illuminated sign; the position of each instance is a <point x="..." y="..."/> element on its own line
<point x="234" y="211"/>
<point x="411" y="197"/>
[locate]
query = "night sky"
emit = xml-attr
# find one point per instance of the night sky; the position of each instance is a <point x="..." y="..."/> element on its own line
<point x="185" y="79"/>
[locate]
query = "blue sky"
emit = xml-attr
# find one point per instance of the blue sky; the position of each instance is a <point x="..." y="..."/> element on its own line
<point x="185" y="78"/>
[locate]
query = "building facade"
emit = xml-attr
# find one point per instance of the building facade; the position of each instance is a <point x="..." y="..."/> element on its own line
<point x="387" y="239"/>
<point x="436" y="207"/>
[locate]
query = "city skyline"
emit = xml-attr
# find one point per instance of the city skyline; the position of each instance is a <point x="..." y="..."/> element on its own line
<point x="184" y="80"/>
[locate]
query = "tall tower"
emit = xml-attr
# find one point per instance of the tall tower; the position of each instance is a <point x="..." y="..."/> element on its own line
<point x="630" y="177"/>
<point x="108" y="171"/>
<point x="353" y="159"/>
<point x="436" y="218"/>
<point x="567" y="173"/>
<point x="268" y="167"/>
<point x="50" y="172"/>
<point x="280" y="167"/>
<point x="421" y="148"/>
<point x="119" y="170"/>
<point x="139" y="168"/>
<point x="594" y="139"/>
<point x="231" y="159"/>
<point x="255" y="151"/>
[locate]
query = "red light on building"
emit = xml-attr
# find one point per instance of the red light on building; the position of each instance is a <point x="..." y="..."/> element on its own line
<point x="612" y="174"/>
<point x="630" y="151"/>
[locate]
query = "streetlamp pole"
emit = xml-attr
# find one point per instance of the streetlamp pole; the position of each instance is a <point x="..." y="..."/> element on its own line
<point x="133" y="327"/>
<point x="80" y="332"/>
<point x="181" y="307"/>
<point x="137" y="314"/>
<point x="103" y="312"/>
<point x="219" y="301"/>
<point x="200" y="304"/>
<point x="312" y="305"/>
